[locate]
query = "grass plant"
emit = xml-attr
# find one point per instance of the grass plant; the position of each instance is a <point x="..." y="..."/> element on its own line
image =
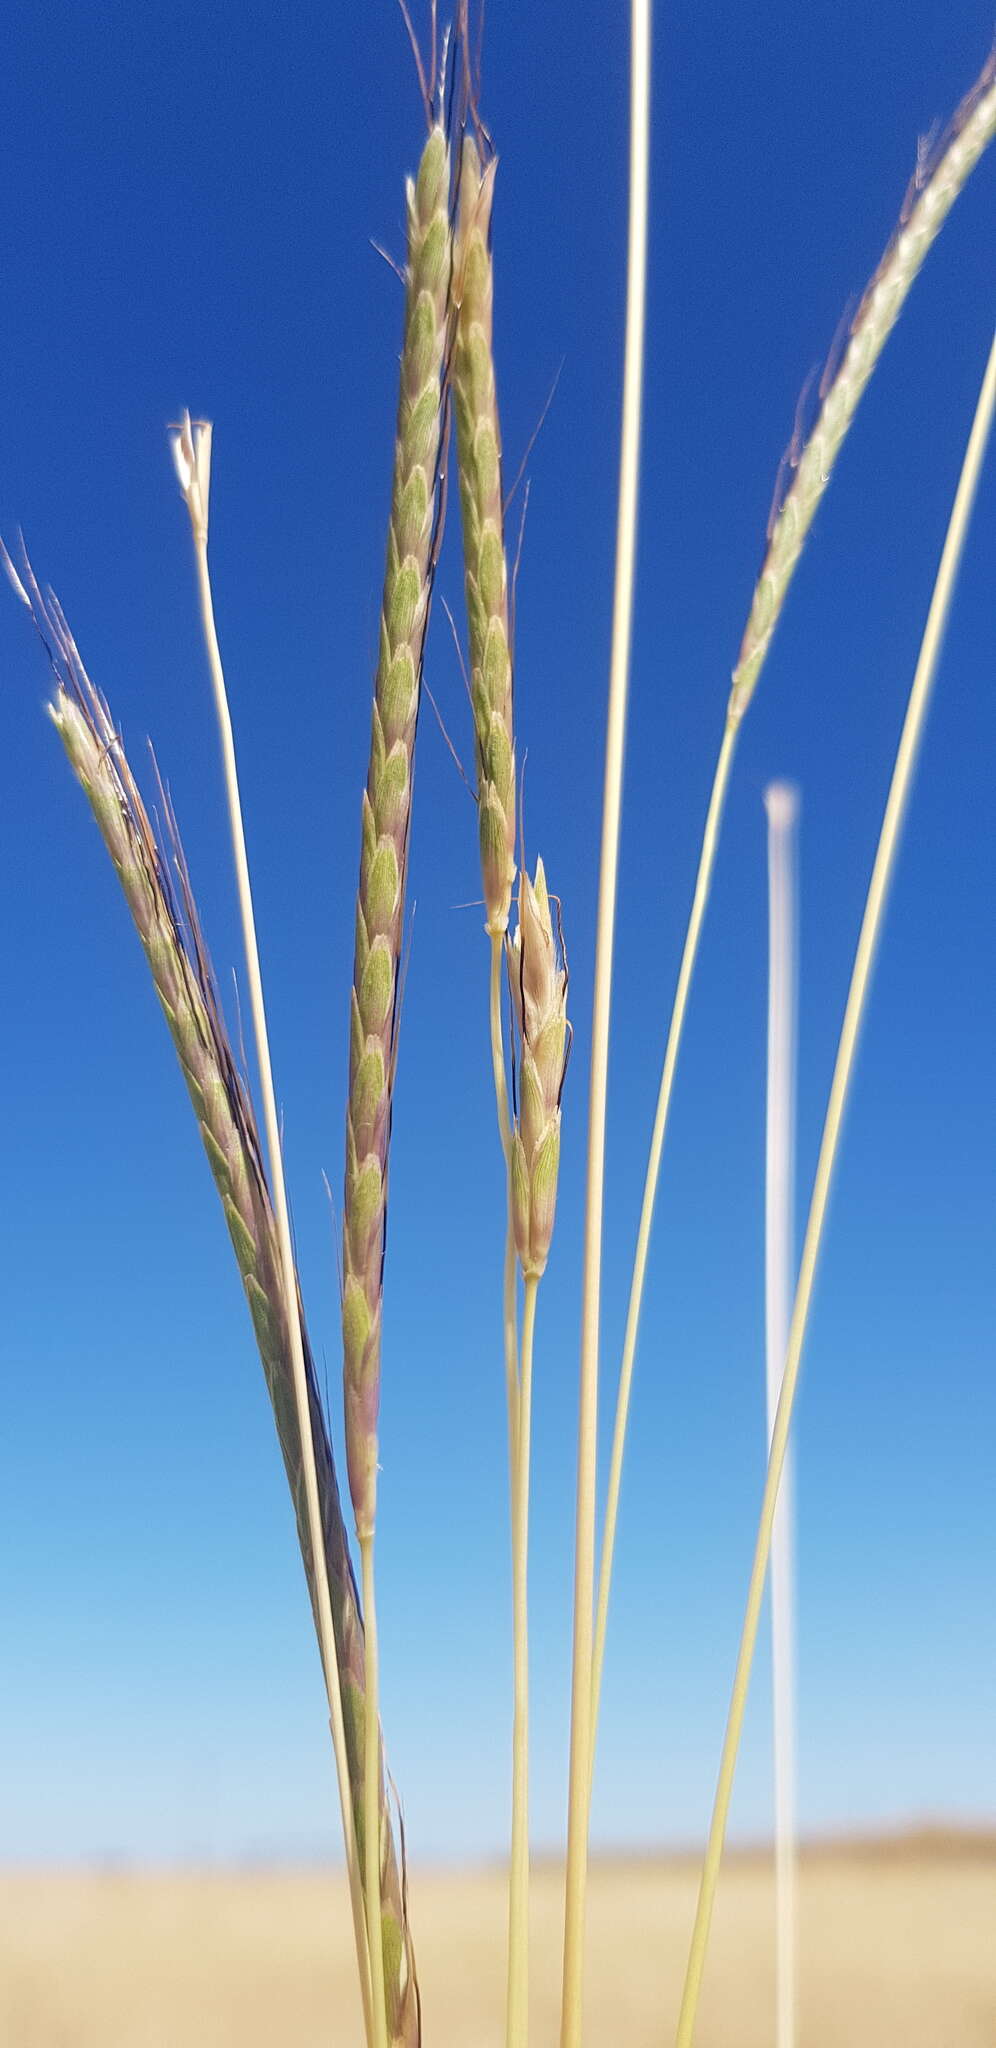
<point x="447" y="348"/>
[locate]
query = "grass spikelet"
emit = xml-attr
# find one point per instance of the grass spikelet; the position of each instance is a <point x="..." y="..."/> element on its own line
<point x="171" y="939"/>
<point x="380" y="907"/>
<point x="932" y="193"/>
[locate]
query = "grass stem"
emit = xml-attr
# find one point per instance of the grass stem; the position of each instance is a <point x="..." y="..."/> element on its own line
<point x="509" y="1305"/>
<point x="517" y="2011"/>
<point x="782" y="805"/>
<point x="271" y="1125"/>
<point x="371" y="1795"/>
<point x="689" y="955"/>
<point x="857" y="993"/>
<point x="584" y="1563"/>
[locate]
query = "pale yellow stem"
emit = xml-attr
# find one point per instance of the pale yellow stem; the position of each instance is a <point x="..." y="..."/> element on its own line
<point x="371" y="1794"/>
<point x="326" y="1631"/>
<point x="870" y="926"/>
<point x="584" y="1549"/>
<point x="693" y="934"/>
<point x="517" y="2010"/>
<point x="509" y="1306"/>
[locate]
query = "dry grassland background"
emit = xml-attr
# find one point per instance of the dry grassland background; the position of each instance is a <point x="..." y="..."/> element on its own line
<point x="898" y="1950"/>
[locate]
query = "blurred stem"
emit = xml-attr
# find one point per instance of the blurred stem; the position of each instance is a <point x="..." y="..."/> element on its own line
<point x="517" y="2021"/>
<point x="326" y="1631"/>
<point x="782" y="806"/>
<point x="371" y="1795"/>
<point x="689" y="955"/>
<point x="871" y="922"/>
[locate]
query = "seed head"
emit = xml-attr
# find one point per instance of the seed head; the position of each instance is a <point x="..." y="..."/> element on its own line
<point x="538" y="977"/>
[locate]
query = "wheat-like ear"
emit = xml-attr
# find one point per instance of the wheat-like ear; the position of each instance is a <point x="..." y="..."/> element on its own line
<point x="485" y="565"/>
<point x="165" y="919"/>
<point x="932" y="193"/>
<point x="387" y="810"/>
<point x="386" y="822"/>
<point x="478" y="439"/>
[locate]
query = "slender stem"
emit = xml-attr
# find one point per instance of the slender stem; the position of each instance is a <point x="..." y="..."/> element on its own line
<point x="509" y="1306"/>
<point x="864" y="957"/>
<point x="326" y="1632"/>
<point x="517" y="2011"/>
<point x="782" y="806"/>
<point x="584" y="1561"/>
<point x="371" y="1794"/>
<point x="703" y="881"/>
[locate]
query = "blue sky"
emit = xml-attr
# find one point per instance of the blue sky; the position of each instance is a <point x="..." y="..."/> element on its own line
<point x="189" y="200"/>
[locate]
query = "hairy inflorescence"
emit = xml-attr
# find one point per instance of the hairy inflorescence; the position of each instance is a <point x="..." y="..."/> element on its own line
<point x="932" y="194"/>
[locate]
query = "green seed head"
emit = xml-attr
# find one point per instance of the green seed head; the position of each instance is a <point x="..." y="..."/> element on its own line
<point x="496" y="867"/>
<point x="376" y="991"/>
<point x="404" y="603"/>
<point x="543" y="1195"/>
<point x="398" y="697"/>
<point x="431" y="188"/>
<point x="432" y="262"/>
<point x="413" y="512"/>
<point x="392" y="792"/>
<point x="363" y="1206"/>
<point x="366" y="1096"/>
<point x="496" y="667"/>
<point x="421" y="342"/>
<point x="519" y="1188"/>
<point x="382" y="889"/>
<point x="491" y="570"/>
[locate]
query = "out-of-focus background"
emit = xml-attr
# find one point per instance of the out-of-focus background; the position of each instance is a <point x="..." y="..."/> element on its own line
<point x="896" y="1948"/>
<point x="189" y="203"/>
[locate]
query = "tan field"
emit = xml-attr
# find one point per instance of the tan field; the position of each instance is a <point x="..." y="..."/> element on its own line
<point x="898" y="1950"/>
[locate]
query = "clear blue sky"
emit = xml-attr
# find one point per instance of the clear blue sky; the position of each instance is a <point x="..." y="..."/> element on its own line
<point x="188" y="202"/>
